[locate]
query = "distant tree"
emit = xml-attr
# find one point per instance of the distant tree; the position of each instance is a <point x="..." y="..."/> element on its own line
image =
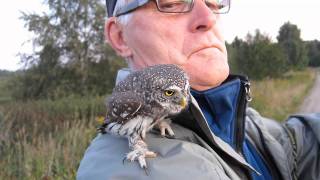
<point x="313" y="48"/>
<point x="236" y="54"/>
<point x="289" y="39"/>
<point x="71" y="54"/>
<point x="5" y="73"/>
<point x="258" y="57"/>
<point x="231" y="58"/>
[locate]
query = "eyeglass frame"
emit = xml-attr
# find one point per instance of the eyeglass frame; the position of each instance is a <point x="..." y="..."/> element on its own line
<point x="135" y="4"/>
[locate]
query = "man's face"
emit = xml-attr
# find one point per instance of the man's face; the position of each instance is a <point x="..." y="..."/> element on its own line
<point x="191" y="40"/>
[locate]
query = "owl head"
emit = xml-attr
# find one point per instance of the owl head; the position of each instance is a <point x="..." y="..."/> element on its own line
<point x="168" y="87"/>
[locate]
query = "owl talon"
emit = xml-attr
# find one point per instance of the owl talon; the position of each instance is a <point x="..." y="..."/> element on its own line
<point x="125" y="159"/>
<point x="146" y="170"/>
<point x="164" y="127"/>
<point x="140" y="156"/>
<point x="151" y="154"/>
<point x="142" y="163"/>
<point x="171" y="137"/>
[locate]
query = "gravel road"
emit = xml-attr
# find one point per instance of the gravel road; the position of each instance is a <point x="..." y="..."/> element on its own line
<point x="312" y="102"/>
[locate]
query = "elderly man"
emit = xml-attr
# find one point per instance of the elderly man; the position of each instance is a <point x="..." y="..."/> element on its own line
<point x="218" y="137"/>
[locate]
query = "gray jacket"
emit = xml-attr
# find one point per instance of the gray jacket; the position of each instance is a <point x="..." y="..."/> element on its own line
<point x="292" y="149"/>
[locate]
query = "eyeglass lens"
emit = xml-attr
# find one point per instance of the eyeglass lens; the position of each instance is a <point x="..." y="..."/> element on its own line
<point x="178" y="6"/>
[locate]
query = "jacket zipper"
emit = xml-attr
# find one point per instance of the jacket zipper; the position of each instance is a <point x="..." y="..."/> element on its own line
<point x="244" y="98"/>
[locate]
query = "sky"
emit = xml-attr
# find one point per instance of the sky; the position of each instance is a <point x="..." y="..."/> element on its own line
<point x="245" y="16"/>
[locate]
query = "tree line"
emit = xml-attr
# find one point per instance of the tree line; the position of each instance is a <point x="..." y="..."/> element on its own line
<point x="258" y="57"/>
<point x="71" y="56"/>
<point x="5" y="73"/>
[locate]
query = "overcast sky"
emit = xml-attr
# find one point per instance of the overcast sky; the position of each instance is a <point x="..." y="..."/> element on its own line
<point x="245" y="16"/>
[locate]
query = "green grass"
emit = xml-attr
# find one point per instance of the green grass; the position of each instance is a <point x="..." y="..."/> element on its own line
<point x="278" y="98"/>
<point x="4" y="91"/>
<point x="46" y="139"/>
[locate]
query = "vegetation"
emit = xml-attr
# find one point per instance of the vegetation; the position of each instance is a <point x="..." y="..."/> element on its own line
<point x="71" y="56"/>
<point x="270" y="59"/>
<point x="49" y="110"/>
<point x="46" y="139"/>
<point x="5" y="73"/>
<point x="4" y="89"/>
<point x="257" y="57"/>
<point x="313" y="48"/>
<point x="278" y="98"/>
<point x="293" y="46"/>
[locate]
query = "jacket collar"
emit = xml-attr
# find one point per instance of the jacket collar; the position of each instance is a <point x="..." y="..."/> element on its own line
<point x="194" y="118"/>
<point x="219" y="106"/>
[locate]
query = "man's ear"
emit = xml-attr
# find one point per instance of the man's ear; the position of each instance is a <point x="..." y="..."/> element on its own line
<point x="114" y="35"/>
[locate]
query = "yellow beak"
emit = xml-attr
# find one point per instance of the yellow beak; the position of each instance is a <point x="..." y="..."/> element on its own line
<point x="183" y="102"/>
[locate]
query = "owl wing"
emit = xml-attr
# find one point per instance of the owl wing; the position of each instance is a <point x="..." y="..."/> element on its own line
<point x="123" y="106"/>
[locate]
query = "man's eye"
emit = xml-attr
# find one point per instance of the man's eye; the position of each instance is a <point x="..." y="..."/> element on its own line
<point x="213" y="5"/>
<point x="173" y="6"/>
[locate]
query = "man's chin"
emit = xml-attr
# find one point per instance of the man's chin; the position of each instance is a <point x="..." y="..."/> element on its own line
<point x="208" y="81"/>
<point x="203" y="87"/>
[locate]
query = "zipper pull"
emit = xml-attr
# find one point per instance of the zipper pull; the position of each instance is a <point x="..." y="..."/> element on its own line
<point x="248" y="92"/>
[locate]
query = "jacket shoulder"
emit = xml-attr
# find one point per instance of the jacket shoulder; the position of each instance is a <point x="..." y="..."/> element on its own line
<point x="299" y="137"/>
<point x="176" y="160"/>
<point x="303" y="123"/>
<point x="304" y="131"/>
<point x="271" y="140"/>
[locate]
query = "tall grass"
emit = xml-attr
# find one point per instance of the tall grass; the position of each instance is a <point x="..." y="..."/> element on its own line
<point x="4" y="91"/>
<point x="278" y="98"/>
<point x="46" y="139"/>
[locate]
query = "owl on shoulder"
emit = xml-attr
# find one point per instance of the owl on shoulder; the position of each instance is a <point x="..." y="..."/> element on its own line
<point x="145" y="99"/>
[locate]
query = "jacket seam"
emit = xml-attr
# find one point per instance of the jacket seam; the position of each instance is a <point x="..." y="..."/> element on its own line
<point x="293" y="143"/>
<point x="261" y="137"/>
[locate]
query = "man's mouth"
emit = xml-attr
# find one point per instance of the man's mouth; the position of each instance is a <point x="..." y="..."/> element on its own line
<point x="204" y="48"/>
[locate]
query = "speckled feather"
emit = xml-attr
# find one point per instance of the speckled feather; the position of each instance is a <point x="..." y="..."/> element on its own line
<point x="134" y="95"/>
<point x="139" y="102"/>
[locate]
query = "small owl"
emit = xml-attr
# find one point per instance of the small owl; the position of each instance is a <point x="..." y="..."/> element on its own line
<point x="145" y="99"/>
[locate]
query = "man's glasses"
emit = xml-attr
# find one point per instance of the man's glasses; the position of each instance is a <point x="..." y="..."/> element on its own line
<point x="176" y="6"/>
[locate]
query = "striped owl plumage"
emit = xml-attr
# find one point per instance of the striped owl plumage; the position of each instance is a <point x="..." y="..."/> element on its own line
<point x="142" y="100"/>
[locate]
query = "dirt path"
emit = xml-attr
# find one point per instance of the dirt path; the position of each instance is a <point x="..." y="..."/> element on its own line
<point x="312" y="102"/>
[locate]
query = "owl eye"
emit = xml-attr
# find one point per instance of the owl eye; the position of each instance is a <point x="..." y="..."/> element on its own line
<point x="169" y="92"/>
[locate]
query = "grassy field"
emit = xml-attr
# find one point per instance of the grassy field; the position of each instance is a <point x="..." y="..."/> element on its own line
<point x="46" y="139"/>
<point x="278" y="98"/>
<point x="4" y="92"/>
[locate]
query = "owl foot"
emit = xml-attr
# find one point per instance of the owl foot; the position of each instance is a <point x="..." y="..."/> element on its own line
<point x="140" y="156"/>
<point x="143" y="164"/>
<point x="164" y="127"/>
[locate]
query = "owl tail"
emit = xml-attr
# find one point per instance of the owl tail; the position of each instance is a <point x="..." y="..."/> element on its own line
<point x="102" y="128"/>
<point x="112" y="128"/>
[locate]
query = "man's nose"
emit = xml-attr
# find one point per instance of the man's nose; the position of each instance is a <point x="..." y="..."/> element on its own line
<point x="203" y="16"/>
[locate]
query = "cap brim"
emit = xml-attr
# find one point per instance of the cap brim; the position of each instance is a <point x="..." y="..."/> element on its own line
<point x="110" y="7"/>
